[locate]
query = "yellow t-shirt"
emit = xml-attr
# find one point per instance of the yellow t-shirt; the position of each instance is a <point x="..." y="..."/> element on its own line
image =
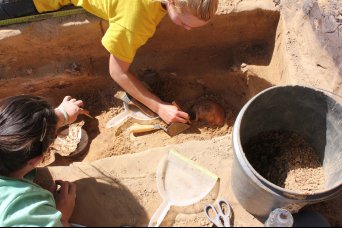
<point x="131" y="22"/>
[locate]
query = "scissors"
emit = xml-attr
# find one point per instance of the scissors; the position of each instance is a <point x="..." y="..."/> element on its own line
<point x="220" y="217"/>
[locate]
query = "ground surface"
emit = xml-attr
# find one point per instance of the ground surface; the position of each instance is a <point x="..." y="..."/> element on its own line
<point x="250" y="46"/>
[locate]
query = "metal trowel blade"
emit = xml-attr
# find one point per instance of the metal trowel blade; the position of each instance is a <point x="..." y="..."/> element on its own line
<point x="177" y="128"/>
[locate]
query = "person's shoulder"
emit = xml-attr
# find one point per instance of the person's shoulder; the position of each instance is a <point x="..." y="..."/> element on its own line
<point x="15" y="184"/>
<point x="12" y="189"/>
<point x="25" y="203"/>
<point x="8" y="184"/>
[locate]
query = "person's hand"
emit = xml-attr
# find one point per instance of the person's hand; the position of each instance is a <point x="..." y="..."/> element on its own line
<point x="171" y="114"/>
<point x="70" y="108"/>
<point x="65" y="198"/>
<point x="52" y="188"/>
<point x="47" y="186"/>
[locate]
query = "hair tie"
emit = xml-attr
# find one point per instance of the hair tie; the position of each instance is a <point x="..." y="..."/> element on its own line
<point x="65" y="114"/>
<point x="44" y="130"/>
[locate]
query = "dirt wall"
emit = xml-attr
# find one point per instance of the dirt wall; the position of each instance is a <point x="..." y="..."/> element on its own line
<point x="251" y="45"/>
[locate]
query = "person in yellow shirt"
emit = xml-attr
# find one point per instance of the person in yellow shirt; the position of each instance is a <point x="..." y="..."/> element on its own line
<point x="131" y="24"/>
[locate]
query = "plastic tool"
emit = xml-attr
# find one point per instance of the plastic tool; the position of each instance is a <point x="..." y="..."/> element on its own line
<point x="172" y="130"/>
<point x="181" y="182"/>
<point x="221" y="216"/>
<point x="130" y="112"/>
<point x="133" y="102"/>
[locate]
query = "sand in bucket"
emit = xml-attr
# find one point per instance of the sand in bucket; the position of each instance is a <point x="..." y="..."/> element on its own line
<point x="181" y="182"/>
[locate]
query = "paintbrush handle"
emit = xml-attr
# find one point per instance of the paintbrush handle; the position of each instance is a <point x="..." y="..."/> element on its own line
<point x="91" y="117"/>
<point x="138" y="128"/>
<point x="86" y="114"/>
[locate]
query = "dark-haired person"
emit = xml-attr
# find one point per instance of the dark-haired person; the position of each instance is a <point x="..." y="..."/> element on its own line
<point x="28" y="126"/>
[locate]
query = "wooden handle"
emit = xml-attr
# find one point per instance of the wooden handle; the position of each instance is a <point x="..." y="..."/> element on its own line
<point x="138" y="128"/>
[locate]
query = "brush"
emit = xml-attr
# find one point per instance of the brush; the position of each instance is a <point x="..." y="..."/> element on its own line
<point x="86" y="114"/>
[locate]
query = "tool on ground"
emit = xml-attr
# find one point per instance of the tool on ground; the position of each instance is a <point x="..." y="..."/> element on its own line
<point x="221" y="216"/>
<point x="172" y="129"/>
<point x="133" y="102"/>
<point x="129" y="112"/>
<point x="181" y="182"/>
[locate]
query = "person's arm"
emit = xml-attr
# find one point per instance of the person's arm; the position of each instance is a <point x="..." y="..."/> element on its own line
<point x="68" y="111"/>
<point x="119" y="71"/>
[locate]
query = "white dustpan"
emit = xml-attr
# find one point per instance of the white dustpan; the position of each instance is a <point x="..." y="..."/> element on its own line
<point x="181" y="182"/>
<point x="130" y="112"/>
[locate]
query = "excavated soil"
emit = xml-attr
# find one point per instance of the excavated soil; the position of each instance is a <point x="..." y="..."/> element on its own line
<point x="287" y="160"/>
<point x="251" y="45"/>
<point x="109" y="142"/>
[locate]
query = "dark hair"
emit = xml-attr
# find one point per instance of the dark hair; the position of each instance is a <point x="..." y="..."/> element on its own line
<point x="27" y="128"/>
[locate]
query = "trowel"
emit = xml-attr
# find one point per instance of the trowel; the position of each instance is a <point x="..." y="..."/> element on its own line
<point x="172" y="129"/>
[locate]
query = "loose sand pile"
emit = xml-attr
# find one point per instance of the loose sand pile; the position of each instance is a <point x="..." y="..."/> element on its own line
<point x="287" y="160"/>
<point x="122" y="190"/>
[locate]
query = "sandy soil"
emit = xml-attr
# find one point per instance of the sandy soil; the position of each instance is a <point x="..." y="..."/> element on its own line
<point x="124" y="189"/>
<point x="287" y="160"/>
<point x="250" y="46"/>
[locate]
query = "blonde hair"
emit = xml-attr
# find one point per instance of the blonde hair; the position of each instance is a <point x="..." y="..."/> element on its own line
<point x="202" y="9"/>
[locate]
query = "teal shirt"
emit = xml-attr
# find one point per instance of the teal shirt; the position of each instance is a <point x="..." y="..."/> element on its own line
<point x="23" y="203"/>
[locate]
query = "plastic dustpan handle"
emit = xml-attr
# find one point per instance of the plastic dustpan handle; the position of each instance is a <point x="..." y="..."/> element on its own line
<point x="119" y="119"/>
<point x="160" y="214"/>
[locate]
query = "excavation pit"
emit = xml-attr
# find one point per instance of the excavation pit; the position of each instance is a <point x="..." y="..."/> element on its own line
<point x="237" y="55"/>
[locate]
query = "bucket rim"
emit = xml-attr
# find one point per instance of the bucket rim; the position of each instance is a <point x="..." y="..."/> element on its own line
<point x="316" y="196"/>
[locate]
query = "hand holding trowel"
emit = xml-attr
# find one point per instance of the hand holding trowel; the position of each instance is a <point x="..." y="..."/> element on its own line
<point x="171" y="129"/>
